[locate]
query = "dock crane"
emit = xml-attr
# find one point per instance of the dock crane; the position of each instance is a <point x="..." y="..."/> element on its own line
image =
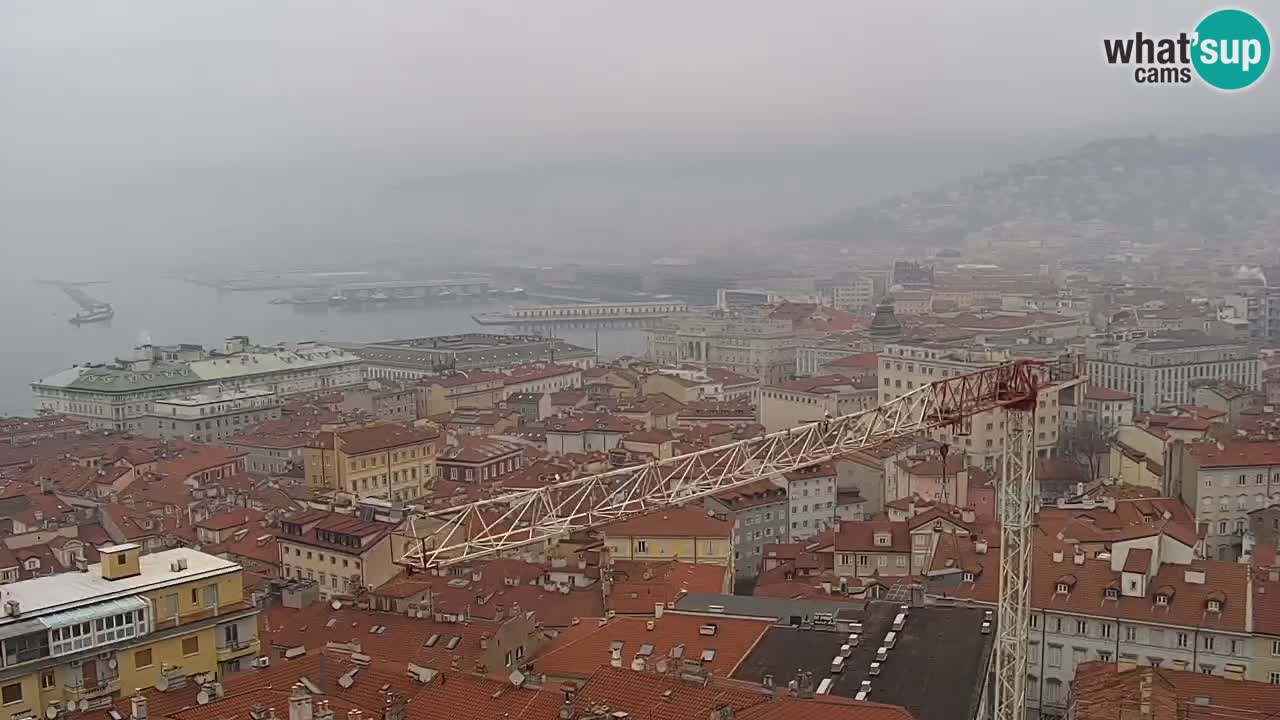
<point x="498" y="525"/>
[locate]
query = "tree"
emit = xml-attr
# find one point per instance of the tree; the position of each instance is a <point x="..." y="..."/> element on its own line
<point x="1084" y="446"/>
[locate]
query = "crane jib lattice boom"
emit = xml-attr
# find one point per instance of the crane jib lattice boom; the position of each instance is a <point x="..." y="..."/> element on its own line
<point x="507" y="522"/>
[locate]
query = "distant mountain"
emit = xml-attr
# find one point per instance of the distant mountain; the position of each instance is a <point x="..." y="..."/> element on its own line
<point x="1191" y="190"/>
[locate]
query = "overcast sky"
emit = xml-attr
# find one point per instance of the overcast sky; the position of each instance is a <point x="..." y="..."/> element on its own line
<point x="136" y="91"/>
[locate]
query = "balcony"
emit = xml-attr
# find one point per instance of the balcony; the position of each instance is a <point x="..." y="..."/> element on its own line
<point x="94" y="696"/>
<point x="231" y="649"/>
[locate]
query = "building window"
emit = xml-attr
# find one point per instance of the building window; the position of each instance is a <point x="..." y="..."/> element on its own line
<point x="46" y="680"/>
<point x="1183" y="640"/>
<point x="11" y="694"/>
<point x="1207" y="642"/>
<point x="1274" y="678"/>
<point x="191" y="645"/>
<point x="642" y="546"/>
<point x="1106" y="630"/>
<point x="1082" y="627"/>
<point x="142" y="659"/>
<point x="1055" y="656"/>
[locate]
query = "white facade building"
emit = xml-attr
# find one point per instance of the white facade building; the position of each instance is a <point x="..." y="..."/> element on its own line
<point x="120" y="394"/>
<point x="1160" y="372"/>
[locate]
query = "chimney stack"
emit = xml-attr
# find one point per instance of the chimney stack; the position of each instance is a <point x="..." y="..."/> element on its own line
<point x="300" y="706"/>
<point x="138" y="705"/>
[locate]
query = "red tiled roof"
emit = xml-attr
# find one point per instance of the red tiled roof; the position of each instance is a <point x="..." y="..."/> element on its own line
<point x="463" y="379"/>
<point x="198" y="460"/>
<point x="860" y="536"/>
<point x="728" y="378"/>
<point x="1236" y="453"/>
<point x="1105" y="394"/>
<point x="760" y="492"/>
<point x="672" y="522"/>
<point x="824" y="384"/>
<point x="530" y="373"/>
<point x="638" y="585"/>
<point x="655" y="696"/>
<point x="478" y="450"/>
<point x="857" y="361"/>
<point x="229" y="519"/>
<point x="1105" y="692"/>
<point x="376" y="437"/>
<point x="1138" y="561"/>
<point x="582" y="653"/>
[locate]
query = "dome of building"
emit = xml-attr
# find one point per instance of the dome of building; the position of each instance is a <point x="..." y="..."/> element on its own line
<point x="885" y="324"/>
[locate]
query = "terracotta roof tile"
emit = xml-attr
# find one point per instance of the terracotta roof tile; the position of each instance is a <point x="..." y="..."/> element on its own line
<point x="672" y="522"/>
<point x="582" y="653"/>
<point x="638" y="585"/>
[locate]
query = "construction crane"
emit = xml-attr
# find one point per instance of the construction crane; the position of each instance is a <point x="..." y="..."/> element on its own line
<point x="499" y="525"/>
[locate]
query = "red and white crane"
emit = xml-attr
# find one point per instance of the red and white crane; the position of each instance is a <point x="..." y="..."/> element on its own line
<point x="498" y="525"/>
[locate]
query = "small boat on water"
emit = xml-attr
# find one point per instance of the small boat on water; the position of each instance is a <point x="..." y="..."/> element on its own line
<point x="337" y="299"/>
<point x="101" y="313"/>
<point x="378" y="296"/>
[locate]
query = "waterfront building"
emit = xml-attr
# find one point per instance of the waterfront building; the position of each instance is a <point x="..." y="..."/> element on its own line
<point x="210" y="416"/>
<point x="752" y="345"/>
<point x="119" y="395"/>
<point x="416" y="358"/>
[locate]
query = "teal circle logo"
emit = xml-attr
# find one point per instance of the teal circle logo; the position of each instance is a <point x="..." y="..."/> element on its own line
<point x="1232" y="49"/>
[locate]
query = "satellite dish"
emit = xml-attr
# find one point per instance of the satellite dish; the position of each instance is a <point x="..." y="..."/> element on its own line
<point x="71" y="706"/>
<point x="202" y="697"/>
<point x="336" y="604"/>
<point x="162" y="684"/>
<point x="516" y="677"/>
<point x="112" y="663"/>
<point x="51" y="712"/>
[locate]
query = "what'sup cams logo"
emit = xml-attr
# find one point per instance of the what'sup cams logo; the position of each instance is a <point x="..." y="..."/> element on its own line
<point x="1228" y="50"/>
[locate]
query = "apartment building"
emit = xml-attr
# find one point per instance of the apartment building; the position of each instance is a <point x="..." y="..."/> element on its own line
<point x="343" y="554"/>
<point x="119" y="395"/>
<point x="385" y="400"/>
<point x="751" y="345"/>
<point x="879" y="548"/>
<point x="1148" y="602"/>
<point x="130" y="621"/>
<point x="759" y="513"/>
<point x="691" y="534"/>
<point x="211" y="416"/>
<point x="809" y="400"/>
<point x="811" y="495"/>
<point x="1161" y="372"/>
<point x="1108" y="409"/>
<point x="908" y="366"/>
<point x="541" y="378"/>
<point x="448" y="393"/>
<point x="1225" y="481"/>
<point x="479" y="459"/>
<point x="391" y="461"/>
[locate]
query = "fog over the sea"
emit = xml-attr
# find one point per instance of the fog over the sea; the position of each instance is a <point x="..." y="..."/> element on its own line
<point x="148" y="132"/>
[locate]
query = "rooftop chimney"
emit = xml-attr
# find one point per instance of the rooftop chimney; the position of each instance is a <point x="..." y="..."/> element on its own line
<point x="300" y="707"/>
<point x="138" y="705"/>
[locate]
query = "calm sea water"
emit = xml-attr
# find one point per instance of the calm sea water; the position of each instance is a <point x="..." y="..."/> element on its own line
<point x="39" y="341"/>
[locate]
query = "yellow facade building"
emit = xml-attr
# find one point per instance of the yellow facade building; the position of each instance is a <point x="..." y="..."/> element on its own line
<point x="392" y="461"/>
<point x="78" y="640"/>
<point x="689" y="534"/>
